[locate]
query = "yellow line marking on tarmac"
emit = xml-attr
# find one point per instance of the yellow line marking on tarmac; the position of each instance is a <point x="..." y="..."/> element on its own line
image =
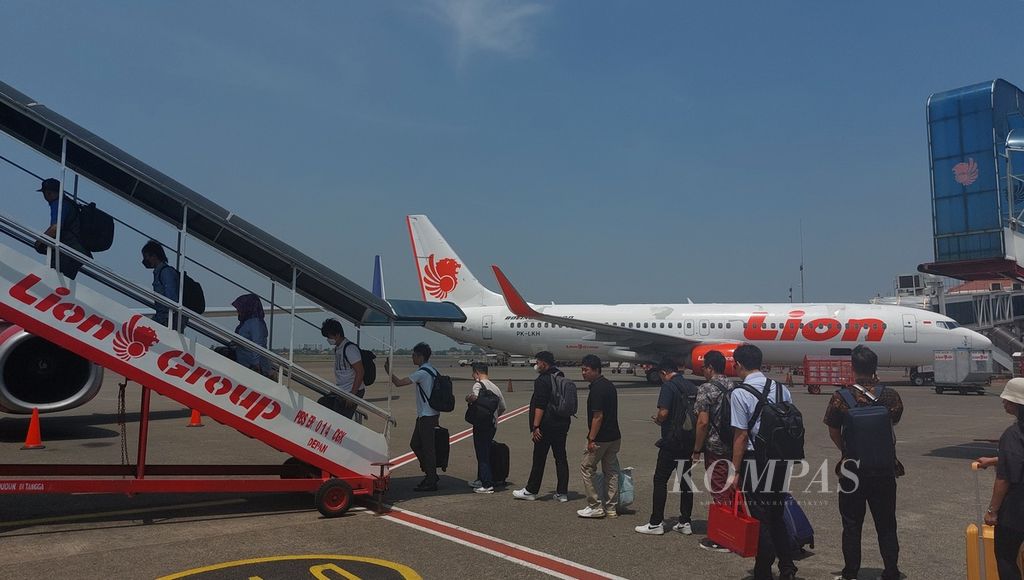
<point x="78" y="517"/>
<point x="406" y="572"/>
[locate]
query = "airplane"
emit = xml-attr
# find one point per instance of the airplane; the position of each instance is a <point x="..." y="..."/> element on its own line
<point x="645" y="333"/>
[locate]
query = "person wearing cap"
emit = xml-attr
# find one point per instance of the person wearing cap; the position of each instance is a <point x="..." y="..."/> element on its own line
<point x="1006" y="508"/>
<point x="50" y="188"/>
<point x="548" y="432"/>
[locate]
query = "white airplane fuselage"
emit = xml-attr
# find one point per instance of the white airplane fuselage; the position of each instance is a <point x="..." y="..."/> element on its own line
<point x="784" y="332"/>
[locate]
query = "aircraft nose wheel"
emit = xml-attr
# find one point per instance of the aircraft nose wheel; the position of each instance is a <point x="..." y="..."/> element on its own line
<point x="334" y="498"/>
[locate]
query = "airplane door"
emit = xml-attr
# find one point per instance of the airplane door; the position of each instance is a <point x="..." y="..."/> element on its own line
<point x="485" y="327"/>
<point x="688" y="328"/>
<point x="909" y="328"/>
<point x="704" y="330"/>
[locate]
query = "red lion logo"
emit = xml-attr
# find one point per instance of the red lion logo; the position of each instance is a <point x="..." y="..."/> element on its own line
<point x="133" y="341"/>
<point x="966" y="172"/>
<point x="441" y="278"/>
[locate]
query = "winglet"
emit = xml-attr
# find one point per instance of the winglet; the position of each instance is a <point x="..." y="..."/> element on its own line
<point x="513" y="299"/>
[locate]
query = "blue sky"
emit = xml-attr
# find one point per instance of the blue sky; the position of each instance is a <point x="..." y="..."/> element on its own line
<point x="598" y="151"/>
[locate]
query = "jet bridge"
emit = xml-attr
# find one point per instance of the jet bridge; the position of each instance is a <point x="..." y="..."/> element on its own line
<point x="339" y="457"/>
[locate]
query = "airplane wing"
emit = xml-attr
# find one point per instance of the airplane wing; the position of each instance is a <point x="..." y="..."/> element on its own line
<point x="631" y="338"/>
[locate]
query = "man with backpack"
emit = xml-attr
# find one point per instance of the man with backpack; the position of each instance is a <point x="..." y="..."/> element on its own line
<point x="165" y="279"/>
<point x="422" y="443"/>
<point x="714" y="433"/>
<point x="550" y="418"/>
<point x="70" y="228"/>
<point x="860" y="420"/>
<point x="767" y="437"/>
<point x="486" y="404"/>
<point x="675" y="447"/>
<point x="603" y="442"/>
<point x="348" y="364"/>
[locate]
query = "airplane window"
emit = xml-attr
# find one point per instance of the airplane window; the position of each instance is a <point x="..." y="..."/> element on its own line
<point x="631" y="325"/>
<point x="546" y="325"/>
<point x="885" y="326"/>
<point x="689" y="324"/>
<point x="876" y="326"/>
<point x="801" y="325"/>
<point x="532" y="325"/>
<point x="511" y="325"/>
<point x="744" y="325"/>
<point x="703" y="324"/>
<point x="663" y="325"/>
<point x="728" y="325"/>
<point x="719" y="325"/>
<point x="772" y="325"/>
<point x="645" y="325"/>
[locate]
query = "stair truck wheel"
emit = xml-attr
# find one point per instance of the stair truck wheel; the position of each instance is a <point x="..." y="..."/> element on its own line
<point x="814" y="389"/>
<point x="939" y="390"/>
<point x="334" y="498"/>
<point x="918" y="380"/>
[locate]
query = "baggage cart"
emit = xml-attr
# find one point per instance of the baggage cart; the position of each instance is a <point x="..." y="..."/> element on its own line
<point x="836" y="371"/>
<point x="963" y="370"/>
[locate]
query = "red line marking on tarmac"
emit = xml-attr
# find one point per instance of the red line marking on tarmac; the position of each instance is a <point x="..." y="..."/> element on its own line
<point x="546" y="563"/>
<point x="406" y="458"/>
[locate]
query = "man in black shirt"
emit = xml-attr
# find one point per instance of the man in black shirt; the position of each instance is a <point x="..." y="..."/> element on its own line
<point x="671" y="455"/>
<point x="603" y="442"/>
<point x="548" y="432"/>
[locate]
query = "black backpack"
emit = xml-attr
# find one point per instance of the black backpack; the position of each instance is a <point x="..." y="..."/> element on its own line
<point x="367" y="357"/>
<point x="868" y="435"/>
<point x="481" y="411"/>
<point x="682" y="419"/>
<point x="781" y="434"/>
<point x="442" y="397"/>
<point x="193" y="298"/>
<point x="563" y="397"/>
<point x="722" y="421"/>
<point x="95" y="228"/>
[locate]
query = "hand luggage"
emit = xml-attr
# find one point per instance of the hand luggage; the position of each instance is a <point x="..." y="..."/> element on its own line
<point x="728" y="526"/>
<point x="442" y="449"/>
<point x="801" y="533"/>
<point x="980" y="538"/>
<point x="499" y="462"/>
<point x="626" y="488"/>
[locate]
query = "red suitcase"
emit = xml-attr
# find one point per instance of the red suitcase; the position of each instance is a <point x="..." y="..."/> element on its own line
<point x="729" y="527"/>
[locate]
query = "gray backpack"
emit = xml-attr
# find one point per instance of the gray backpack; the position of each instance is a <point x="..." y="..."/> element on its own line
<point x="563" y="396"/>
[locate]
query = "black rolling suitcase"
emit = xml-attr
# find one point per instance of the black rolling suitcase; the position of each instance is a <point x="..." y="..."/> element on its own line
<point x="499" y="462"/>
<point x="442" y="449"/>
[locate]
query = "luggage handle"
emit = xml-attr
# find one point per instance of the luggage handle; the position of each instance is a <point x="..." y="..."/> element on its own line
<point x="976" y="468"/>
<point x="736" y="501"/>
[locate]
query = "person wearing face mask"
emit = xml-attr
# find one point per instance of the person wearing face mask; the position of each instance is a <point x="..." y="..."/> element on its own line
<point x="548" y="432"/>
<point x="252" y="326"/>
<point x="165" y="279"/>
<point x="348" y="365"/>
<point x="1006" y="508"/>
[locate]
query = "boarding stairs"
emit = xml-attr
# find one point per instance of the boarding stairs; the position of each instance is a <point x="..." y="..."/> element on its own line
<point x="75" y="317"/>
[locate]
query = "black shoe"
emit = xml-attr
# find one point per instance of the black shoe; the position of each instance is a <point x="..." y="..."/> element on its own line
<point x="427" y="484"/>
<point x="787" y="575"/>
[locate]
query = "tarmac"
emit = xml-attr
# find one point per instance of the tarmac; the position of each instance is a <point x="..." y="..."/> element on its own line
<point x="455" y="533"/>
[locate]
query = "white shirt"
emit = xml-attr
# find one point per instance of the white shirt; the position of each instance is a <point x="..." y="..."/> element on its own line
<point x="344" y="357"/>
<point x="743" y="403"/>
<point x="494" y="389"/>
<point x="424" y="385"/>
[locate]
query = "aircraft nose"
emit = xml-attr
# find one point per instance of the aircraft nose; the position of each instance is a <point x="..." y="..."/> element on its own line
<point x="980" y="341"/>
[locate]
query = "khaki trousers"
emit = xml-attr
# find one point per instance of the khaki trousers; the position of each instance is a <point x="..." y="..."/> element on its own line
<point x="607" y="453"/>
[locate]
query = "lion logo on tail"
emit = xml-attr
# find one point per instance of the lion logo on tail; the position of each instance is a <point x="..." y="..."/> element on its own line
<point x="441" y="278"/>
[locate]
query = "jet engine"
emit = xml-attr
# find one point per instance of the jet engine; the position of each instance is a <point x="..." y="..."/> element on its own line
<point x="37" y="373"/>
<point x="698" y="353"/>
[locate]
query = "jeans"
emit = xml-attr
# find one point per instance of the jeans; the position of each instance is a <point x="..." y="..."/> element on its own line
<point x="768" y="507"/>
<point x="422" y="445"/>
<point x="607" y="453"/>
<point x="1007" y="548"/>
<point x="879" y="495"/>
<point x="554" y="441"/>
<point x="668" y="461"/>
<point x="483" y="437"/>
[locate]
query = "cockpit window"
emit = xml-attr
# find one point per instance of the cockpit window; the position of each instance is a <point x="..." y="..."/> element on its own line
<point x="948" y="325"/>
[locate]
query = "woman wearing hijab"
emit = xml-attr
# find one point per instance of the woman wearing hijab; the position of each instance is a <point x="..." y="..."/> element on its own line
<point x="1006" y="509"/>
<point x="251" y="326"/>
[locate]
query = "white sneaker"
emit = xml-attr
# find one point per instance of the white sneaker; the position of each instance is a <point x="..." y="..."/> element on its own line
<point x="475" y="483"/>
<point x="560" y="497"/>
<point x="483" y="489"/>
<point x="591" y="512"/>
<point x="683" y="528"/>
<point x="523" y="494"/>
<point x="650" y="530"/>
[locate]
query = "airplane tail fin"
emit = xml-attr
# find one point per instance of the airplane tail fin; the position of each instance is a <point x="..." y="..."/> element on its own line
<point x="442" y="274"/>
<point x="378" y="279"/>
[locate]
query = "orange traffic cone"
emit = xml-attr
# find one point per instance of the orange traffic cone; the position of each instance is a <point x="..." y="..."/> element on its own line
<point x="196" y="420"/>
<point x="510" y="385"/>
<point x="34" y="440"/>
